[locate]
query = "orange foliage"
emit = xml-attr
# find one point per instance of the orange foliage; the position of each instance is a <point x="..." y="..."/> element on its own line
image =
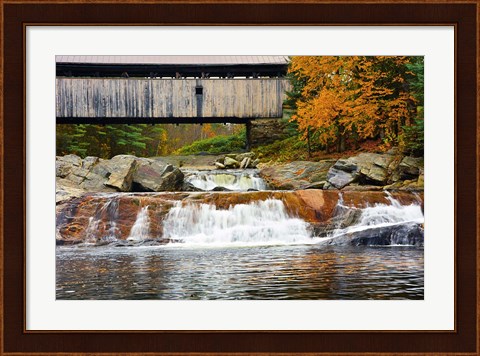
<point x="352" y="96"/>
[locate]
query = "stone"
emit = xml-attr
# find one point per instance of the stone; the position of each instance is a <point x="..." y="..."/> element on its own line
<point x="66" y="190"/>
<point x="231" y="163"/>
<point x="315" y="185"/>
<point x="254" y="163"/>
<point x="245" y="162"/>
<point x="189" y="187"/>
<point x="365" y="168"/>
<point x="339" y="178"/>
<point x="219" y="165"/>
<point x="296" y="174"/>
<point x="123" y="168"/>
<point x="240" y="157"/>
<point x="62" y="168"/>
<point x="154" y="176"/>
<point x="89" y="161"/>
<point x="410" y="167"/>
<point x="74" y="160"/>
<point x="220" y="189"/>
<point x="267" y="131"/>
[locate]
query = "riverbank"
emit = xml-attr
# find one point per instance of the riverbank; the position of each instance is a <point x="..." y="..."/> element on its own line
<point x="125" y="173"/>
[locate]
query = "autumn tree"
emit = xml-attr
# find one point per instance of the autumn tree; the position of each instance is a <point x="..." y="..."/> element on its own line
<point x="351" y="97"/>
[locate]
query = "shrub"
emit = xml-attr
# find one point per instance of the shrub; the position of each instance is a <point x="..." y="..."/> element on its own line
<point x="215" y="145"/>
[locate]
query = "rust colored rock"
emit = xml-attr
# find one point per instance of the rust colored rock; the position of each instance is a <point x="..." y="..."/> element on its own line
<point x="93" y="217"/>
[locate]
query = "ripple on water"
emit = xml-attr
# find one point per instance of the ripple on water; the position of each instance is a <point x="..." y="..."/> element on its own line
<point x="261" y="272"/>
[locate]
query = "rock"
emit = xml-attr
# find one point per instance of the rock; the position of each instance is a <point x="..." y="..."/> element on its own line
<point x="339" y="178"/>
<point x="240" y="157"/>
<point x="220" y="189"/>
<point x="254" y="164"/>
<point x="154" y="176"/>
<point x="231" y="163"/>
<point x="123" y="167"/>
<point x="317" y="207"/>
<point x="74" y="160"/>
<point x="361" y="188"/>
<point x="189" y="187"/>
<point x="410" y="167"/>
<point x="267" y="131"/>
<point x="405" y="234"/>
<point x="89" y="162"/>
<point x="366" y="168"/>
<point x="220" y="160"/>
<point x="62" y="168"/>
<point x="219" y="165"/>
<point x="245" y="162"/>
<point x="315" y="185"/>
<point x="66" y="190"/>
<point x="295" y="175"/>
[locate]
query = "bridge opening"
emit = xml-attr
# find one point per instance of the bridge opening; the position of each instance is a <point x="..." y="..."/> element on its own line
<point x="142" y="140"/>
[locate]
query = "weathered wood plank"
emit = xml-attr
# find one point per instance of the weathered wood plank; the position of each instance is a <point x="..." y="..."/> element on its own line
<point x="169" y="98"/>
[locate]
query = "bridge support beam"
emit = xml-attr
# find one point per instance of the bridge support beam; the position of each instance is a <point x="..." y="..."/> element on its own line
<point x="248" y="144"/>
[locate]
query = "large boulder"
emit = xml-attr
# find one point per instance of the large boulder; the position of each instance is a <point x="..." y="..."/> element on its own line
<point x="410" y="167"/>
<point x="295" y="175"/>
<point x="366" y="169"/>
<point x="231" y="163"/>
<point x="64" y="165"/>
<point x="339" y="178"/>
<point x="154" y="176"/>
<point x="122" y="169"/>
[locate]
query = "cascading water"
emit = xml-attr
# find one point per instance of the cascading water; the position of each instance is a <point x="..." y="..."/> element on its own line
<point x="256" y="223"/>
<point x="233" y="180"/>
<point x="141" y="229"/>
<point x="103" y="226"/>
<point x="384" y="224"/>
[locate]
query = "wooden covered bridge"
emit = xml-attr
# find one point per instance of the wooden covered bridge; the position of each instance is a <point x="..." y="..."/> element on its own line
<point x="169" y="89"/>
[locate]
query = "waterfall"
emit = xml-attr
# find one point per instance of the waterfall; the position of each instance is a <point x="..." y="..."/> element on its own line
<point x="257" y="223"/>
<point x="141" y="228"/>
<point x="103" y="226"/>
<point x="232" y="180"/>
<point x="384" y="224"/>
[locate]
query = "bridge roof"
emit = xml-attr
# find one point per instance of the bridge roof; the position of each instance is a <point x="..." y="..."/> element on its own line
<point x="174" y="60"/>
<point x="171" y="66"/>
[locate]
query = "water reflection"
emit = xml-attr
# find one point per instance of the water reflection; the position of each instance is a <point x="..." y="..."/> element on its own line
<point x="263" y="272"/>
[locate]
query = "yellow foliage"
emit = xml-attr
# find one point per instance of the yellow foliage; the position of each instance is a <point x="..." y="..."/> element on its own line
<point x="352" y="95"/>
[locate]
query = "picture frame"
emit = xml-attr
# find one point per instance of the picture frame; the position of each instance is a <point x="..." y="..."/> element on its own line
<point x="16" y="16"/>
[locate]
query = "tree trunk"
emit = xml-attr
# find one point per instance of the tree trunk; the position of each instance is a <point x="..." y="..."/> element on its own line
<point x="308" y="143"/>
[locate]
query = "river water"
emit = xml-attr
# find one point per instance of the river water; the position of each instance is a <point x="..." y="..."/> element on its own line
<point x="254" y="250"/>
<point x="255" y="272"/>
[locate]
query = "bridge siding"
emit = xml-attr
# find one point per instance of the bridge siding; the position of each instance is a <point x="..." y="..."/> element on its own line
<point x="137" y="98"/>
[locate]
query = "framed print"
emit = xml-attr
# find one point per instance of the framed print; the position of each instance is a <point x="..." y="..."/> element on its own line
<point x="240" y="178"/>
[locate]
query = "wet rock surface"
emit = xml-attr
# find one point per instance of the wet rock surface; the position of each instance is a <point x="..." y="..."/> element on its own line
<point x="97" y="218"/>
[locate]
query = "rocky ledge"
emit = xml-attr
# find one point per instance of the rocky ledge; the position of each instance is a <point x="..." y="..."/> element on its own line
<point x="123" y="173"/>
<point x="320" y="208"/>
<point x="364" y="172"/>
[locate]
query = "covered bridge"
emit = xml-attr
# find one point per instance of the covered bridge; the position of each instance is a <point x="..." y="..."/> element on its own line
<point x="169" y="89"/>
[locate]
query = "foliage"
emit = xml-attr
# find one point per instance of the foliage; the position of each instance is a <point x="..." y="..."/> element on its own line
<point x="289" y="149"/>
<point x="110" y="140"/>
<point x="412" y="139"/>
<point x="215" y="145"/>
<point x="347" y="99"/>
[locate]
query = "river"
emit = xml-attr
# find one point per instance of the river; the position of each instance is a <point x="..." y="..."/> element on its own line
<point x="254" y="248"/>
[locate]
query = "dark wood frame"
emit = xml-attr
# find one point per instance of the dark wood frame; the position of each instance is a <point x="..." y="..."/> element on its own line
<point x="15" y="15"/>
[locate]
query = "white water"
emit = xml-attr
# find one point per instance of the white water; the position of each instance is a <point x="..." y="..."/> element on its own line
<point x="233" y="180"/>
<point x="105" y="218"/>
<point x="382" y="215"/>
<point x="141" y="229"/>
<point x="257" y="223"/>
